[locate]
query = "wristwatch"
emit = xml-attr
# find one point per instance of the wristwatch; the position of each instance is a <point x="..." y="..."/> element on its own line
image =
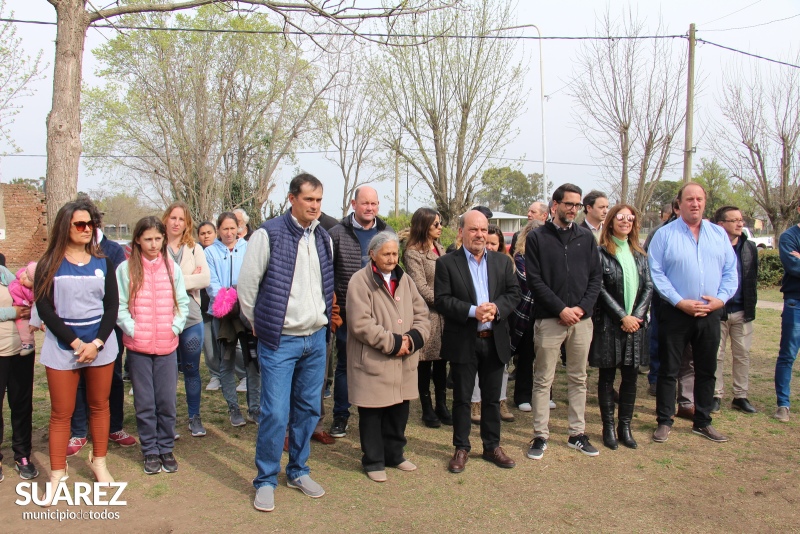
<point x="99" y="344"/>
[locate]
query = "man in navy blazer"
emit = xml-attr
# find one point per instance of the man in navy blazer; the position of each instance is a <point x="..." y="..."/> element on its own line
<point x="476" y="291"/>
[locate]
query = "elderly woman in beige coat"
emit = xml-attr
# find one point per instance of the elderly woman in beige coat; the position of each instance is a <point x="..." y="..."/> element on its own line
<point x="387" y="323"/>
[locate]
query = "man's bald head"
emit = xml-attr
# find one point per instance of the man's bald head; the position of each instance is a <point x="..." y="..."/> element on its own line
<point x="365" y="206"/>
<point x="473" y="229"/>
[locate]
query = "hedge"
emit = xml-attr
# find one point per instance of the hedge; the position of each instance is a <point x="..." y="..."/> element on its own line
<point x="770" y="268"/>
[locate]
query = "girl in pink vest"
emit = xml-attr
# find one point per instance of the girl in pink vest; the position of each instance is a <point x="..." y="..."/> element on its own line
<point x="153" y="306"/>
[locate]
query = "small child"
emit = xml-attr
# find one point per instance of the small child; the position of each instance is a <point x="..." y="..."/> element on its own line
<point x="21" y="291"/>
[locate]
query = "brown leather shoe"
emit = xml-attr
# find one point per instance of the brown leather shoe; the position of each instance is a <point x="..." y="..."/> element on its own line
<point x="710" y="433"/>
<point x="685" y="412"/>
<point x="662" y="433"/>
<point x="323" y="437"/>
<point x="498" y="457"/>
<point x="458" y="461"/>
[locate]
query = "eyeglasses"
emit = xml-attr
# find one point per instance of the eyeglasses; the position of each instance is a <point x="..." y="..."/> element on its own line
<point x="81" y="225"/>
<point x="734" y="221"/>
<point x="622" y="217"/>
<point x="437" y="224"/>
<point x="572" y="205"/>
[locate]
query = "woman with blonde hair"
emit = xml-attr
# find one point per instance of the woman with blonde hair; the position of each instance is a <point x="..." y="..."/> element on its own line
<point x="620" y="338"/>
<point x="183" y="250"/>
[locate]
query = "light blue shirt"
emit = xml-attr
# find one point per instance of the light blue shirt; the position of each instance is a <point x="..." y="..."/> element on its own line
<point x="480" y="282"/>
<point x="683" y="268"/>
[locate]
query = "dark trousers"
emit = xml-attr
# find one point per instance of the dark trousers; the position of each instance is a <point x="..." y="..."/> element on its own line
<point x="434" y="369"/>
<point x="523" y="384"/>
<point x="341" y="406"/>
<point x="154" y="380"/>
<point x="16" y="374"/>
<point x="383" y="435"/>
<point x="490" y="377"/>
<point x="116" y="400"/>
<point x="652" y="374"/>
<point x="676" y="330"/>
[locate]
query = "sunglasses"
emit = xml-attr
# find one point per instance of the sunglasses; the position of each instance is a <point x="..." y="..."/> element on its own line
<point x="81" y="225"/>
<point x="437" y="224"/>
<point x="622" y="217"/>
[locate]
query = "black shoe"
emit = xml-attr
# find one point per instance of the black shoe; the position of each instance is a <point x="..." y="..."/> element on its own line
<point x="625" y="437"/>
<point x="168" y="462"/>
<point x="717" y="405"/>
<point x="441" y="410"/>
<point x="428" y="415"/>
<point x="609" y="437"/>
<point x="152" y="464"/>
<point x="581" y="443"/>
<point x="339" y="427"/>
<point x="743" y="405"/>
<point x="26" y="469"/>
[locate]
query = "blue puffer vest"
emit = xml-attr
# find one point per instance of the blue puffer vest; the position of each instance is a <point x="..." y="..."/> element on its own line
<point x="273" y="292"/>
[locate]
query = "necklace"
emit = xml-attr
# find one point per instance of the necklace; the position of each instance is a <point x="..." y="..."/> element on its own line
<point x="78" y="263"/>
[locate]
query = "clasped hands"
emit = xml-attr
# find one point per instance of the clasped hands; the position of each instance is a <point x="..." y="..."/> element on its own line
<point x="486" y="312"/>
<point x="570" y="316"/>
<point x="699" y="308"/>
<point x="405" y="347"/>
<point x="86" y="352"/>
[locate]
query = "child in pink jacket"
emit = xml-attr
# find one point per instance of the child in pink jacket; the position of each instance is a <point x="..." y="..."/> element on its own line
<point x="21" y="291"/>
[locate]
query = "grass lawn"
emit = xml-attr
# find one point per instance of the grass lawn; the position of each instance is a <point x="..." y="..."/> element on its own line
<point x="685" y="485"/>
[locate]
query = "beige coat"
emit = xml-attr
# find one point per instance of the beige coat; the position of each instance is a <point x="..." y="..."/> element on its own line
<point x="422" y="269"/>
<point x="376" y="322"/>
<point x="192" y="259"/>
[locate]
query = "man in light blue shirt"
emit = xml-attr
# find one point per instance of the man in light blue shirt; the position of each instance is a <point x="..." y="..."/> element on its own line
<point x="694" y="271"/>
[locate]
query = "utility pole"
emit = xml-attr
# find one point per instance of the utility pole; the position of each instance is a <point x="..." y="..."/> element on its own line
<point x="396" y="183"/>
<point x="688" y="148"/>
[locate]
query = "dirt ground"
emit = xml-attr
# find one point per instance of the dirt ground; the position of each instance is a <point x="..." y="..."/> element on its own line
<point x="688" y="484"/>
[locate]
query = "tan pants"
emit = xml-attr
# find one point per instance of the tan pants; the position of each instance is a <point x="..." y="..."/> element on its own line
<point x="741" y="336"/>
<point x="548" y="337"/>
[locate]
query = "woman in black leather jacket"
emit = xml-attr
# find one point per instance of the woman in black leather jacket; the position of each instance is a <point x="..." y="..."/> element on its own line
<point x="620" y="337"/>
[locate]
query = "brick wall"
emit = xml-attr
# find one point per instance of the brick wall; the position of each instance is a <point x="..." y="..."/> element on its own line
<point x="26" y="233"/>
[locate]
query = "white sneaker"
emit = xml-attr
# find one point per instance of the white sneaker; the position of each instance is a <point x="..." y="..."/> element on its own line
<point x="524" y="407"/>
<point x="130" y="392"/>
<point x="553" y="404"/>
<point x="214" y="384"/>
<point x="242" y="387"/>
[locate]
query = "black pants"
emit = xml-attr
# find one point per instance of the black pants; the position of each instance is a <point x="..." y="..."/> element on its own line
<point x="16" y="374"/>
<point x="490" y="376"/>
<point x="437" y="370"/>
<point x="629" y="373"/>
<point x="383" y="435"/>
<point x="676" y="330"/>
<point x="523" y="384"/>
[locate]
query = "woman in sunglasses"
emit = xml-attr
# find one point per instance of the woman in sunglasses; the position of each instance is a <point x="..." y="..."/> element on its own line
<point x="420" y="255"/>
<point x="620" y="337"/>
<point x="77" y="300"/>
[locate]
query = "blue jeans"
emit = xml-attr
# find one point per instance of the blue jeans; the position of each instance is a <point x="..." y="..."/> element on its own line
<point x="341" y="404"/>
<point x="189" y="345"/>
<point x="291" y="386"/>
<point x="790" y="344"/>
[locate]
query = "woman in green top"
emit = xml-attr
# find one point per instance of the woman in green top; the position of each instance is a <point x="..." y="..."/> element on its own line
<point x="620" y="320"/>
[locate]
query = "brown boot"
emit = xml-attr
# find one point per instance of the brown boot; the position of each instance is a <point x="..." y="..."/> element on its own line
<point x="476" y="413"/>
<point x="505" y="414"/>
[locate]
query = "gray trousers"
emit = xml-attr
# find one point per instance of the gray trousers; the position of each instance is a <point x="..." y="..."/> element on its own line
<point x="154" y="380"/>
<point x="212" y="354"/>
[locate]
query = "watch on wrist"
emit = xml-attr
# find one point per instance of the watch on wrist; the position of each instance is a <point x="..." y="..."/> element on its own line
<point x="99" y="344"/>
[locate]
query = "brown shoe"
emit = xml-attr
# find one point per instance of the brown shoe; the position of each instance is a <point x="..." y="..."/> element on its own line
<point x="458" y="461"/>
<point x="498" y="457"/>
<point x="476" y="413"/>
<point x="662" y="433"/>
<point x="323" y="437"/>
<point x="505" y="414"/>
<point x="685" y="412"/>
<point x="710" y="433"/>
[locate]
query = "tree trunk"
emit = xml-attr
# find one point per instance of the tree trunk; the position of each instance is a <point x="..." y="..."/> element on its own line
<point x="64" y="120"/>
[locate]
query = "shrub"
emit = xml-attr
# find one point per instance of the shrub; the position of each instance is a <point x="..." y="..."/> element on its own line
<point x="770" y="268"/>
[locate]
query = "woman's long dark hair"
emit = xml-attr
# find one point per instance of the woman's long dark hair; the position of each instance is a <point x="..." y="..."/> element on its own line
<point x="57" y="244"/>
<point x="421" y="223"/>
<point x="135" y="269"/>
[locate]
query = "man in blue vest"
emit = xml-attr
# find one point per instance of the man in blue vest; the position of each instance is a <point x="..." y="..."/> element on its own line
<point x="286" y="293"/>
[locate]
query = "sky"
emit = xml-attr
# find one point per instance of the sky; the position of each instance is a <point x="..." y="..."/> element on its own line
<point x="747" y="25"/>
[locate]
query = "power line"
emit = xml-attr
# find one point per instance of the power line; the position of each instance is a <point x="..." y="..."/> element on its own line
<point x="749" y="54"/>
<point x="729" y="14"/>
<point x="754" y="25"/>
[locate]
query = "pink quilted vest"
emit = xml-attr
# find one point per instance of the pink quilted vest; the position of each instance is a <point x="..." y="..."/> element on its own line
<point x="153" y="311"/>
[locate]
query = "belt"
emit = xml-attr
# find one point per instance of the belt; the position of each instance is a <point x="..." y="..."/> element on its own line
<point x="485" y="333"/>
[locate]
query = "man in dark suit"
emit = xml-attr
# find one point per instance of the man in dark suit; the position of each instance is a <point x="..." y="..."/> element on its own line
<point x="476" y="291"/>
